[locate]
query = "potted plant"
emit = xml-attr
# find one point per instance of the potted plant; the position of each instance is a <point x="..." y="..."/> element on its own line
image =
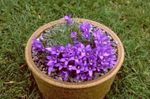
<point x="74" y="58"/>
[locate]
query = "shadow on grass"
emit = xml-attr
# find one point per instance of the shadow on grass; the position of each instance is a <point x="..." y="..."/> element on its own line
<point x="32" y="89"/>
<point x="31" y="86"/>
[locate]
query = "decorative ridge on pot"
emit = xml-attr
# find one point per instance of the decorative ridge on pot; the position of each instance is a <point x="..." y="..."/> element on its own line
<point x="86" y="84"/>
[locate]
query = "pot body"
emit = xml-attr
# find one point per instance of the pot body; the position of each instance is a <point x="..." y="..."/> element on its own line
<point x="53" y="92"/>
<point x="52" y="89"/>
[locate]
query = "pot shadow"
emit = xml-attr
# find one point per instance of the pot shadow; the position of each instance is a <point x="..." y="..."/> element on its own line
<point x="31" y="89"/>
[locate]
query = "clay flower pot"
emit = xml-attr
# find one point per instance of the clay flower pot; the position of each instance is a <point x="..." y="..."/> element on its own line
<point x="54" y="89"/>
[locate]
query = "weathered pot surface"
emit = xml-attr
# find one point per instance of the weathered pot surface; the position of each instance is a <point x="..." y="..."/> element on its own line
<point x="54" y="89"/>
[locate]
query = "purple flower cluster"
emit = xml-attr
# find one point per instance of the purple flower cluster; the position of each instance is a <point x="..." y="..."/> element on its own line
<point x="86" y="28"/>
<point x="37" y="45"/>
<point x="68" y="19"/>
<point x="80" y="61"/>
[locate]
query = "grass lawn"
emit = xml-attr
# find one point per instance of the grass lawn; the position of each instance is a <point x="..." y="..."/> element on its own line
<point x="130" y="19"/>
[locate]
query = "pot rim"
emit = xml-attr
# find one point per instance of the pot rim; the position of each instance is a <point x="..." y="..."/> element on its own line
<point x="35" y="70"/>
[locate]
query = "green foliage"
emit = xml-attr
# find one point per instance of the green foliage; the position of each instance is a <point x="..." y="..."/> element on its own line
<point x="130" y="19"/>
<point x="59" y="34"/>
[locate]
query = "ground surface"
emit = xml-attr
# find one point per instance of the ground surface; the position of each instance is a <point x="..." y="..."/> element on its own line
<point x="130" y="19"/>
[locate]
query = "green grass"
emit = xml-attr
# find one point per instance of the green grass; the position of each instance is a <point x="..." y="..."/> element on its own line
<point x="130" y="19"/>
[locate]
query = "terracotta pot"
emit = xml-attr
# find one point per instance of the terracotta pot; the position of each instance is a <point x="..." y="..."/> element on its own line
<point x="53" y="89"/>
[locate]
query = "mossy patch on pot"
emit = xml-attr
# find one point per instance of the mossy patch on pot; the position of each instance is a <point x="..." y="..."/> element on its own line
<point x="76" y="55"/>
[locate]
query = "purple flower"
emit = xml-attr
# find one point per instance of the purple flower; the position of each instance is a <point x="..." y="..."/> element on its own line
<point x="60" y="48"/>
<point x="92" y="60"/>
<point x="73" y="35"/>
<point x="79" y="46"/>
<point x="70" y="51"/>
<point x="101" y="39"/>
<point x="74" y="59"/>
<point x="90" y="69"/>
<point x="78" y="68"/>
<point x="59" y="65"/>
<point x="88" y="50"/>
<point x="86" y="35"/>
<point x="68" y="19"/>
<point x="82" y="76"/>
<point x="51" y="50"/>
<point x="80" y="50"/>
<point x="85" y="28"/>
<point x="64" y="75"/>
<point x="50" y="69"/>
<point x="97" y="34"/>
<point x="64" y="61"/>
<point x="112" y="60"/>
<point x="51" y="61"/>
<point x="37" y="45"/>
<point x="55" y="50"/>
